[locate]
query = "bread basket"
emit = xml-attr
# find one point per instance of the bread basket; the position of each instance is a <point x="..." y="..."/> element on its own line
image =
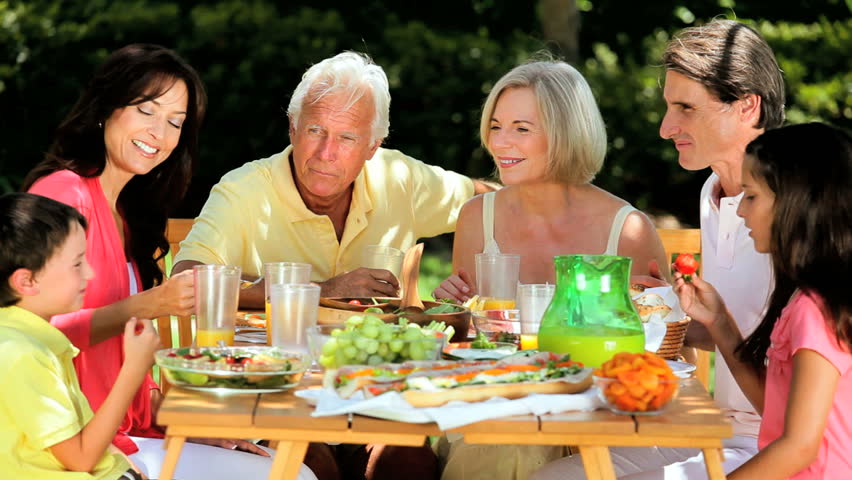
<point x="673" y="340"/>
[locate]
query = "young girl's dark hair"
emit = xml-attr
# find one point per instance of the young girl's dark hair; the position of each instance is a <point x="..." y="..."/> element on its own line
<point x="32" y="228"/>
<point x="132" y="75"/>
<point x="809" y="169"/>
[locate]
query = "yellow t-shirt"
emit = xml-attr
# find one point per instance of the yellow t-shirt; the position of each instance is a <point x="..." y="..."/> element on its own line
<point x="41" y="403"/>
<point x="255" y="215"/>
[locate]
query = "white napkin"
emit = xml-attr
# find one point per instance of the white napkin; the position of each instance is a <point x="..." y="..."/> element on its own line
<point x="391" y="406"/>
<point x="655" y="327"/>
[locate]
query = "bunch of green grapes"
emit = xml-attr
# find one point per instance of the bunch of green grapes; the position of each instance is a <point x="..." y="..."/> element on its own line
<point x="367" y="340"/>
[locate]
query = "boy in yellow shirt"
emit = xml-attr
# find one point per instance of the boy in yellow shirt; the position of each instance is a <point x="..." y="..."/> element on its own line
<point x="47" y="429"/>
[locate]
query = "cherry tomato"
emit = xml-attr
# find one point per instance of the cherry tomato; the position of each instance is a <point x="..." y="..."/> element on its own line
<point x="355" y="301"/>
<point x="686" y="264"/>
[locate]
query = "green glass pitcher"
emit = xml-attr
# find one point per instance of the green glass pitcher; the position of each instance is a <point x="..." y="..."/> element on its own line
<point x="591" y="316"/>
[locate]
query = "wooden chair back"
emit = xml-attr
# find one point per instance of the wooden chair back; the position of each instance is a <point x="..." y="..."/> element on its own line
<point x="174" y="331"/>
<point x="687" y="240"/>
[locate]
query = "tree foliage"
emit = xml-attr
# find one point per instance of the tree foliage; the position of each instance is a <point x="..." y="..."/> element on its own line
<point x="441" y="58"/>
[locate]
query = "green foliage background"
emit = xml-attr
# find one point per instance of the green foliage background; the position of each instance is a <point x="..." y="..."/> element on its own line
<point x="441" y="58"/>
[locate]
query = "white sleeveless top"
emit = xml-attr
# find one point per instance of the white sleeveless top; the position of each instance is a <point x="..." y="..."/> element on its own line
<point x="131" y="272"/>
<point x="491" y="244"/>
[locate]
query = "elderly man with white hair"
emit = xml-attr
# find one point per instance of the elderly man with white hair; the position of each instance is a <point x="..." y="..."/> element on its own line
<point x="321" y="201"/>
<point x="330" y="194"/>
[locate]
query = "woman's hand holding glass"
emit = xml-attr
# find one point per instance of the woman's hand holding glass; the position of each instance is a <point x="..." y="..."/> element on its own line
<point x="176" y="296"/>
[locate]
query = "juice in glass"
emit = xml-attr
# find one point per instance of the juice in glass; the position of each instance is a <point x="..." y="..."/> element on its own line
<point x="210" y="338"/>
<point x="268" y="322"/>
<point x="491" y="303"/>
<point x="529" y="341"/>
<point x="591" y="345"/>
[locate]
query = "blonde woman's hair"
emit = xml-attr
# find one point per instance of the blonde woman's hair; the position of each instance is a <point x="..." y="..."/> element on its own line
<point x="349" y="73"/>
<point x="575" y="131"/>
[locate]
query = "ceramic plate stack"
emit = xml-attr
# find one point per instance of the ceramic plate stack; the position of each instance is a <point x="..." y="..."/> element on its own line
<point x="673" y="341"/>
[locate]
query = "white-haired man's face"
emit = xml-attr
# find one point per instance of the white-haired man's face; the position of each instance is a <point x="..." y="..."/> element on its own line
<point x="331" y="143"/>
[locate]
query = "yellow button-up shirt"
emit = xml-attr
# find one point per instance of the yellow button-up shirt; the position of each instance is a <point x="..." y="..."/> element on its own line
<point x="41" y="403"/>
<point x="256" y="215"/>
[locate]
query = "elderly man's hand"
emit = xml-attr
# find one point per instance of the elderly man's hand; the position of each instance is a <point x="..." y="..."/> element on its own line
<point x="363" y="282"/>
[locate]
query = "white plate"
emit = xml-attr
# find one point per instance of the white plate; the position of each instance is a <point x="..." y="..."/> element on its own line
<point x="258" y="337"/>
<point x="236" y="391"/>
<point x="681" y="369"/>
<point x="242" y="329"/>
<point x="502" y="350"/>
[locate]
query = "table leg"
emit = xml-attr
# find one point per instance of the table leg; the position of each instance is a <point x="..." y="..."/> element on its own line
<point x="288" y="460"/>
<point x="713" y="462"/>
<point x="597" y="463"/>
<point x="173" y="446"/>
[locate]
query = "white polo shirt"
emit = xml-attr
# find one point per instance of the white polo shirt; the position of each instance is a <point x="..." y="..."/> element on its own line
<point x="744" y="278"/>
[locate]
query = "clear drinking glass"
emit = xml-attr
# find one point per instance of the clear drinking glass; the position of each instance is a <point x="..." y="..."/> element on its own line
<point x="294" y="308"/>
<point x="381" y="256"/>
<point x="282" y="272"/>
<point x="497" y="279"/>
<point x="217" y="293"/>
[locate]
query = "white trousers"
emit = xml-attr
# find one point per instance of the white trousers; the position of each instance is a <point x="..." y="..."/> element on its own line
<point x="656" y="463"/>
<point x="205" y="462"/>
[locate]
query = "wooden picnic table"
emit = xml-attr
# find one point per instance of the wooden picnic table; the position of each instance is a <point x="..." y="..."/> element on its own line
<point x="692" y="421"/>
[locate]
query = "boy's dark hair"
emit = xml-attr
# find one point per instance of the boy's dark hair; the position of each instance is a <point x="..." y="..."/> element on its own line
<point x="32" y="228"/>
<point x="809" y="169"/>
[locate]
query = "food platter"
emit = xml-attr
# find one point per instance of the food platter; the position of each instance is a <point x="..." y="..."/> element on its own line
<point x="232" y="369"/>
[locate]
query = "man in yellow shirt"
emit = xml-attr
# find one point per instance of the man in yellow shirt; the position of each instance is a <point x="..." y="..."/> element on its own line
<point x="330" y="194"/>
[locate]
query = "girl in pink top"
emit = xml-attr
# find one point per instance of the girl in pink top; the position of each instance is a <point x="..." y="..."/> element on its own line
<point x="796" y="367"/>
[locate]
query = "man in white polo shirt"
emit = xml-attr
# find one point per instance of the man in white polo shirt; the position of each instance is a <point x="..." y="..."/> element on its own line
<point x="723" y="88"/>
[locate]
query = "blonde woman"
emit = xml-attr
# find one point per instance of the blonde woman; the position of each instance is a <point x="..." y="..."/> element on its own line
<point x="543" y="128"/>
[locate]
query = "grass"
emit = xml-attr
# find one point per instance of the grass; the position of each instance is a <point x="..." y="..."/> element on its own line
<point x="434" y="269"/>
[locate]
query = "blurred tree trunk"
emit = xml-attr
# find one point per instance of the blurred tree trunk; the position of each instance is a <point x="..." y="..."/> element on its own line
<point x="560" y="22"/>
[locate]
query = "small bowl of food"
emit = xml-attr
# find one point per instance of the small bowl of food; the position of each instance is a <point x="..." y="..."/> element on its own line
<point x="498" y="325"/>
<point x="368" y="340"/>
<point x="636" y="384"/>
<point x="232" y="369"/>
<point x="356" y="304"/>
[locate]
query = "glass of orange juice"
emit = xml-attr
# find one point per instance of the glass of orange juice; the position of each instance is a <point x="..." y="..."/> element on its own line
<point x="492" y="303"/>
<point x="217" y="293"/>
<point x="533" y="300"/>
<point x="497" y="279"/>
<point x="275" y="273"/>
